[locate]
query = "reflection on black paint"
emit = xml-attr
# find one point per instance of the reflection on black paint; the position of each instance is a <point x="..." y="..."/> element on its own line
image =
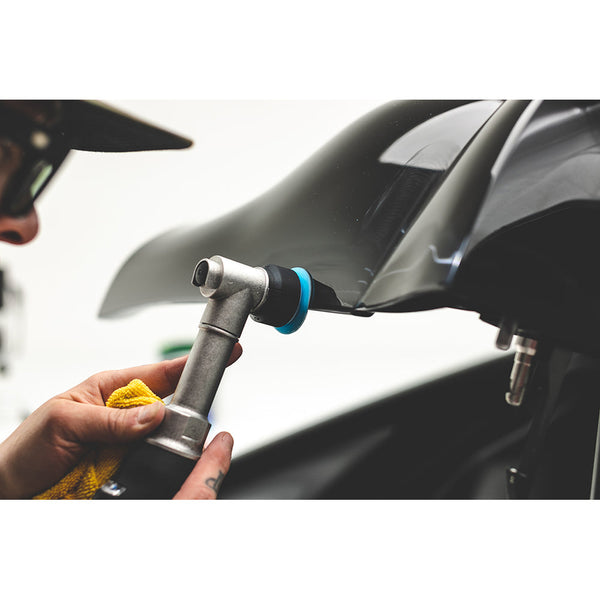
<point x="339" y="215"/>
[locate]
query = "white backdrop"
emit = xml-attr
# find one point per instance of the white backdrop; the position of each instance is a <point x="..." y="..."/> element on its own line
<point x="100" y="208"/>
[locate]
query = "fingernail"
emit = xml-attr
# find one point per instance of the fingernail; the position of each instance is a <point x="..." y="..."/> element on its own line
<point x="227" y="441"/>
<point x="147" y="414"/>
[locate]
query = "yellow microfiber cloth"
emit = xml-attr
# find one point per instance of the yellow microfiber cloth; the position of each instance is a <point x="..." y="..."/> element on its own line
<point x="100" y="464"/>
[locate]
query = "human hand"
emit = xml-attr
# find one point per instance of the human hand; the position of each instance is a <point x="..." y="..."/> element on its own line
<point x="54" y="438"/>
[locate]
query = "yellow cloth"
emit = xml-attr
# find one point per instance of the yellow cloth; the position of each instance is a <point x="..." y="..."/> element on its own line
<point x="100" y="464"/>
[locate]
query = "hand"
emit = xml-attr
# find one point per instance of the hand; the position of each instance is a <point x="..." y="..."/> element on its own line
<point x="53" y="439"/>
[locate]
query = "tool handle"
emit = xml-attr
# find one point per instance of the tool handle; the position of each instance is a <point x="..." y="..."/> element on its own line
<point x="147" y="472"/>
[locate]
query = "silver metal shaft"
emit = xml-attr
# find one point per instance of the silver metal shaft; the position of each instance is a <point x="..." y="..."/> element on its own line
<point x="519" y="376"/>
<point x="234" y="290"/>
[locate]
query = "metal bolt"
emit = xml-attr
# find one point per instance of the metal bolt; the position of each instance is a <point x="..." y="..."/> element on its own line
<point x="519" y="376"/>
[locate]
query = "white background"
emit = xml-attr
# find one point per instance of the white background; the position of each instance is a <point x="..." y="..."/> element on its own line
<point x="102" y="207"/>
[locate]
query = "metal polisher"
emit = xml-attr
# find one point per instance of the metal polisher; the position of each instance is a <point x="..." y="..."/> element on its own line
<point x="157" y="467"/>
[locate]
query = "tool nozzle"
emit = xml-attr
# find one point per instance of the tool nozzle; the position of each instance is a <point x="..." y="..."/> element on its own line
<point x="208" y="276"/>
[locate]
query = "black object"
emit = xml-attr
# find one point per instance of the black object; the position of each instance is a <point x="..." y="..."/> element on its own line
<point x="31" y="152"/>
<point x="97" y="127"/>
<point x="37" y="135"/>
<point x="450" y="438"/>
<point x="391" y="221"/>
<point x="517" y="484"/>
<point x="339" y="215"/>
<point x="147" y="472"/>
<point x="563" y="463"/>
<point x="284" y="295"/>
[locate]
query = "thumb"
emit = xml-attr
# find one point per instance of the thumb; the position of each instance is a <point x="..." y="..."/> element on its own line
<point x="113" y="425"/>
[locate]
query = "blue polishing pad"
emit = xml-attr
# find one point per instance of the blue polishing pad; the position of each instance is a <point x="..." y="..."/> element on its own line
<point x="305" y="293"/>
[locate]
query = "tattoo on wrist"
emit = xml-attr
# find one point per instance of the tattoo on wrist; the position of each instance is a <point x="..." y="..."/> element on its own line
<point x="215" y="482"/>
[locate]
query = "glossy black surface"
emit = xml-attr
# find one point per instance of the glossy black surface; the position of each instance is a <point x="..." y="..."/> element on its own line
<point x="418" y="273"/>
<point x="533" y="252"/>
<point x="338" y="215"/>
<point x="486" y="206"/>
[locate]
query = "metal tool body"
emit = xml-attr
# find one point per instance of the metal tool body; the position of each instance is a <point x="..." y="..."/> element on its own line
<point x="234" y="290"/>
<point x="157" y="467"/>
